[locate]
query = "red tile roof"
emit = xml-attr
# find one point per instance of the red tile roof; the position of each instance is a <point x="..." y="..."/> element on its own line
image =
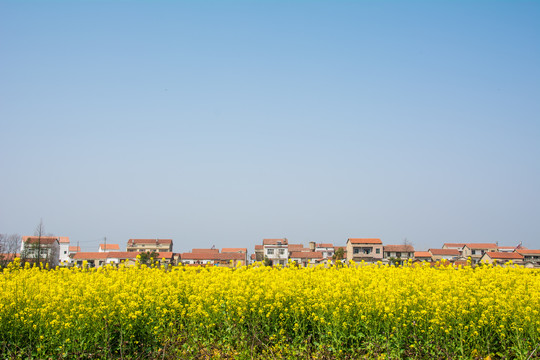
<point x="419" y="254"/>
<point x="451" y="252"/>
<point x="283" y="241"/>
<point x="454" y="245"/>
<point x="45" y="240"/>
<point x="74" y="248"/>
<point x="233" y="250"/>
<point x="109" y="247"/>
<point x="365" y="241"/>
<point x="149" y="241"/>
<point x="481" y="246"/>
<point x="63" y="239"/>
<point x="323" y="245"/>
<point x="528" y="252"/>
<point x="122" y="255"/>
<point x="205" y="251"/>
<point x="90" y="255"/>
<point x="306" y="255"/>
<point x="295" y="247"/>
<point x="9" y="256"/>
<point x="398" y="248"/>
<point x="213" y="256"/>
<point x="504" y="255"/>
<point x="259" y="247"/>
<point x="232" y="256"/>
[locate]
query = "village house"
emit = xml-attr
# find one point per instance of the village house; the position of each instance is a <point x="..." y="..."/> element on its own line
<point x="501" y="257"/>
<point x="101" y="258"/>
<point x="214" y="257"/>
<point x="306" y="258"/>
<point x="242" y="251"/>
<point x="476" y="250"/>
<point x="446" y="254"/>
<point x="41" y="248"/>
<point x="150" y="245"/>
<point x="326" y="249"/>
<point x="92" y="258"/>
<point x="276" y="251"/>
<point x="530" y="256"/>
<point x="398" y="253"/>
<point x="369" y="250"/>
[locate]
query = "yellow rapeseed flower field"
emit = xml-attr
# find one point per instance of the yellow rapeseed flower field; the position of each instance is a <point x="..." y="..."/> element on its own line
<point x="347" y="311"/>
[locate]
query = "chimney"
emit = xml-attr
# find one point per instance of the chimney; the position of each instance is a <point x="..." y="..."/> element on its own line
<point x="312" y="245"/>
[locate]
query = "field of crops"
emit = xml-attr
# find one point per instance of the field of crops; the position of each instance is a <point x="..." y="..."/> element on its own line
<point x="342" y="312"/>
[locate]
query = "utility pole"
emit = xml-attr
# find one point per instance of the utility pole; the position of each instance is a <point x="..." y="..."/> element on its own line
<point x="105" y="246"/>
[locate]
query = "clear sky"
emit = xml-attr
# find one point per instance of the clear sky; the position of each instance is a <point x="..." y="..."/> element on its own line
<point x="223" y="123"/>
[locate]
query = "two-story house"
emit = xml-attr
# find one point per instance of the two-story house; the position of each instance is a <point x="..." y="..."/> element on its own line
<point x="214" y="257"/>
<point x="476" y="250"/>
<point x="150" y="245"/>
<point x="276" y="251"/>
<point x="43" y="249"/>
<point x="369" y="249"/>
<point x="398" y="253"/>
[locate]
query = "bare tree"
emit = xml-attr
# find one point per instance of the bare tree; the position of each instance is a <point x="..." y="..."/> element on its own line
<point x="9" y="247"/>
<point x="39" y="232"/>
<point x="407" y="242"/>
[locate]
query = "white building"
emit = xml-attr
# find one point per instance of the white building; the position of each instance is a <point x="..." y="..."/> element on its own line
<point x="276" y="251"/>
<point x="64" y="249"/>
<point x="327" y="250"/>
<point x="45" y="249"/>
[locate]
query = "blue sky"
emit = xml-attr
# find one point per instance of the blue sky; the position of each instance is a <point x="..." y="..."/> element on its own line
<point x="223" y="123"/>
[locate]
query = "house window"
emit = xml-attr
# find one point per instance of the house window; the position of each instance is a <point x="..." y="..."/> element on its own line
<point x="356" y="250"/>
<point x="474" y="252"/>
<point x="367" y="251"/>
<point x="270" y="251"/>
<point x="377" y="251"/>
<point x="398" y="254"/>
<point x="281" y="251"/>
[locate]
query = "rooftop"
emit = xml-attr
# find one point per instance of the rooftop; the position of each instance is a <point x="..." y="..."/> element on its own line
<point x="398" y="248"/>
<point x="283" y="241"/>
<point x="365" y="241"/>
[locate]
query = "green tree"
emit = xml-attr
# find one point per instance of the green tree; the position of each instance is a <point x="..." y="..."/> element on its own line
<point x="339" y="254"/>
<point x="147" y="256"/>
